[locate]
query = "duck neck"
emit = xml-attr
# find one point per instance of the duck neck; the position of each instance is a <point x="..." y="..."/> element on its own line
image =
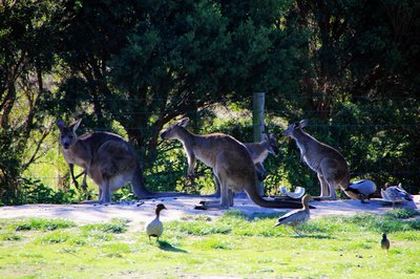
<point x="306" y="205"/>
<point x="158" y="212"/>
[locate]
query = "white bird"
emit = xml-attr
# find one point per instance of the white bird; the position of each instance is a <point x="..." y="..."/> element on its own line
<point x="297" y="194"/>
<point x="361" y="189"/>
<point x="155" y="227"/>
<point x="395" y="194"/>
<point x="296" y="217"/>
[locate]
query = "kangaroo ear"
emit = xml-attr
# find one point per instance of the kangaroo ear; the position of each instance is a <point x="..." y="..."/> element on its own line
<point x="303" y="123"/>
<point x="75" y="125"/>
<point x="183" y="122"/>
<point x="60" y="124"/>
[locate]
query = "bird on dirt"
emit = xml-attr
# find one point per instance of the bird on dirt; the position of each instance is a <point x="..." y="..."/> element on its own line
<point x="155" y="227"/>
<point x="296" y="217"/>
<point x="395" y="194"/>
<point x="362" y="190"/>
<point x="385" y="242"/>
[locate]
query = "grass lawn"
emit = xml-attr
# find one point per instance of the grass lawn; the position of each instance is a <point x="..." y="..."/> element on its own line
<point x="232" y="246"/>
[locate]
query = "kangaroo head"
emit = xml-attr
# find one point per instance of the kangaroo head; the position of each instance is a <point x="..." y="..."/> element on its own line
<point x="271" y="144"/>
<point x="68" y="135"/>
<point x="173" y="131"/>
<point x="290" y="130"/>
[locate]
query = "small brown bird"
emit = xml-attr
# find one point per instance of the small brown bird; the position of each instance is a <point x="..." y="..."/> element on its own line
<point x="385" y="242"/>
<point x="155" y="227"/>
<point x="296" y="217"/>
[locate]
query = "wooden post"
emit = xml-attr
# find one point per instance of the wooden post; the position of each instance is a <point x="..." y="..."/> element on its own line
<point x="258" y="124"/>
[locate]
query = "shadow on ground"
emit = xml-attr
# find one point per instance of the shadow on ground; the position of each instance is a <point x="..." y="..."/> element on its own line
<point x="166" y="246"/>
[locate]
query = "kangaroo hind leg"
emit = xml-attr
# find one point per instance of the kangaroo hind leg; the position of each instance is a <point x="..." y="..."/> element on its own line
<point x="226" y="196"/>
<point x="105" y="192"/>
<point x="324" y="188"/>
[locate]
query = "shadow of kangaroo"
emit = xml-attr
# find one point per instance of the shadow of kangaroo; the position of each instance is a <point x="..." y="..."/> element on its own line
<point x="230" y="161"/>
<point x="327" y="162"/>
<point x="107" y="158"/>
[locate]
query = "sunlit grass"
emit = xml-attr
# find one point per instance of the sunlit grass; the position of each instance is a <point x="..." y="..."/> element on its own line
<point x="232" y="245"/>
<point x="41" y="224"/>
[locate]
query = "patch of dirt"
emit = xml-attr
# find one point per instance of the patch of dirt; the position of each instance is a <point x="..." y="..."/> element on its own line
<point x="181" y="207"/>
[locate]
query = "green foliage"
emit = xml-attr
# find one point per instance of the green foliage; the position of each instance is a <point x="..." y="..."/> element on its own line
<point x="115" y="226"/>
<point x="199" y="228"/>
<point x="33" y="191"/>
<point x="131" y="67"/>
<point x="251" y="247"/>
<point x="28" y="47"/>
<point x="42" y="224"/>
<point x="9" y="236"/>
<point x="402" y="213"/>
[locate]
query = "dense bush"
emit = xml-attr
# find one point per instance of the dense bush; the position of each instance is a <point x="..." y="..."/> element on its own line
<point x="34" y="191"/>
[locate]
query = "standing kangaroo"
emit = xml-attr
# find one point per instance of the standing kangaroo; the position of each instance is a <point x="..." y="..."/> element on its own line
<point x="327" y="162"/>
<point x="259" y="152"/>
<point x="230" y="161"/>
<point x="105" y="157"/>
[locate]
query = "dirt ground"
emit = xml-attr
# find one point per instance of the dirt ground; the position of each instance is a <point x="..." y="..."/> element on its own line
<point x="178" y="207"/>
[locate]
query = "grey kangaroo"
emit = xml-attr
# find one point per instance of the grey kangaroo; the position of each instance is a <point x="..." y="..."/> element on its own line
<point x="106" y="158"/>
<point x="259" y="152"/>
<point x="230" y="161"/>
<point x="327" y="162"/>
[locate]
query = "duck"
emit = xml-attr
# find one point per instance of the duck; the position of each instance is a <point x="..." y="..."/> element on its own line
<point x="361" y="190"/>
<point x="155" y="227"/>
<point x="395" y="194"/>
<point x="385" y="242"/>
<point x="296" y="217"/>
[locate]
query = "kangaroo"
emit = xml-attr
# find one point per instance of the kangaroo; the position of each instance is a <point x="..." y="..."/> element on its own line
<point x="230" y="161"/>
<point x="327" y="162"/>
<point x="106" y="158"/>
<point x="259" y="152"/>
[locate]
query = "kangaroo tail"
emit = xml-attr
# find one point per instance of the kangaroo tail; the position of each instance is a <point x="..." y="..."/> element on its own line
<point x="138" y="185"/>
<point x="345" y="182"/>
<point x="253" y="195"/>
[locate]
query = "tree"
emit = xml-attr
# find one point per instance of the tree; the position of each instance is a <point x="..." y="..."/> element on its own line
<point x="144" y="63"/>
<point x="26" y="55"/>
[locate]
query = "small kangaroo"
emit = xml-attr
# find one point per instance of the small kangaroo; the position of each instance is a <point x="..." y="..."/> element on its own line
<point x="327" y="162"/>
<point x="230" y="161"/>
<point x="259" y="152"/>
<point x="105" y="157"/>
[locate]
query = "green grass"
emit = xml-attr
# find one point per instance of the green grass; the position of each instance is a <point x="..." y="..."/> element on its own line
<point x="232" y="245"/>
<point x="41" y="224"/>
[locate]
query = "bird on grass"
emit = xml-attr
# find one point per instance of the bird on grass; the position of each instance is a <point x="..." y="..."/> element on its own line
<point x="395" y="194"/>
<point x="385" y="242"/>
<point x="296" y="217"/>
<point x="155" y="227"/>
